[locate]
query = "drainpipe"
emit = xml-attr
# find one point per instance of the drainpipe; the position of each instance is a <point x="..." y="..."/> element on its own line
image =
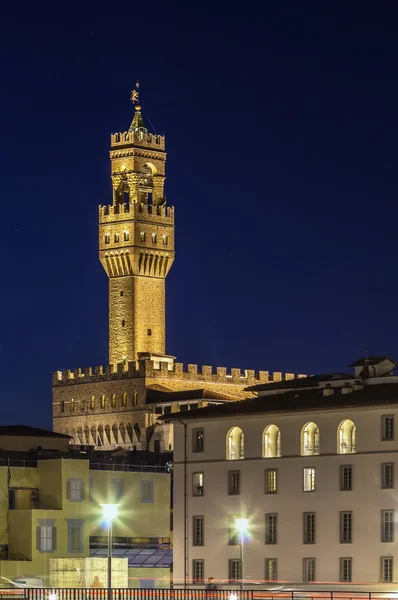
<point x="185" y="505"/>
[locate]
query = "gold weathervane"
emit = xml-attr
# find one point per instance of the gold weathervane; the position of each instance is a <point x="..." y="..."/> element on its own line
<point x="135" y="95"/>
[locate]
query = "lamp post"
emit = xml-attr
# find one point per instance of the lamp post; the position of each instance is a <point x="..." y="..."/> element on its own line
<point x="109" y="511"/>
<point x="241" y="528"/>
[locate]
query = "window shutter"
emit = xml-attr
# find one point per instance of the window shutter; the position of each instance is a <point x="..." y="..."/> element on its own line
<point x="68" y="494"/>
<point x="83" y="490"/>
<point x="54" y="532"/>
<point x="38" y="531"/>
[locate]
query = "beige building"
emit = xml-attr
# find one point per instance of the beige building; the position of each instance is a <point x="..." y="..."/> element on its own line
<point x="118" y="404"/>
<point x="311" y="465"/>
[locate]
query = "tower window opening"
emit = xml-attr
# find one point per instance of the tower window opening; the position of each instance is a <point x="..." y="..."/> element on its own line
<point x="103" y="401"/>
<point x="165" y="240"/>
<point x="126" y="236"/>
<point x="123" y="322"/>
<point x="107" y="239"/>
<point x="142" y="236"/>
<point x="121" y="293"/>
<point x="117" y="237"/>
<point x="124" y="400"/>
<point x="62" y="406"/>
<point x="154" y="238"/>
<point x="126" y="197"/>
<point x="149" y="331"/>
<point x="92" y="402"/>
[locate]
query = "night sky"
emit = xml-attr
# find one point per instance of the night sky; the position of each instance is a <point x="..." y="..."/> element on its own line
<point x="281" y="122"/>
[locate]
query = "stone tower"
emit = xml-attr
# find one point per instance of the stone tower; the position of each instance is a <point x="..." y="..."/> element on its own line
<point x="136" y="242"/>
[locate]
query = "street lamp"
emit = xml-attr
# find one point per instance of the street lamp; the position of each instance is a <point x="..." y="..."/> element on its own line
<point x="241" y="527"/>
<point x="109" y="511"/>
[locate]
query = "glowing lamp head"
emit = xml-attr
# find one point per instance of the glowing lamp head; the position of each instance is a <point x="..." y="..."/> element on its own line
<point x="110" y="511"/>
<point x="233" y="596"/>
<point x="52" y="596"/>
<point x="241" y="525"/>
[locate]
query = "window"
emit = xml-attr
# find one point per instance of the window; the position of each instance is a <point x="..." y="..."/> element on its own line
<point x="117" y="237"/>
<point x="346" y="569"/>
<point x="154" y="238"/>
<point x="147" y="492"/>
<point x="345" y="477"/>
<point x="270" y="528"/>
<point x="345" y="527"/>
<point x="198" y="530"/>
<point x="92" y="402"/>
<point x="72" y="405"/>
<point x="197" y="484"/>
<point x="126" y="236"/>
<point x="387" y="428"/>
<point x="234" y="569"/>
<point x="234" y="483"/>
<point x="147" y="584"/>
<point x="309" y="479"/>
<point x="387" y="476"/>
<point x="233" y="533"/>
<point x="149" y="331"/>
<point x="117" y="489"/>
<point x="270" y="481"/>
<point x="46" y="536"/>
<point x="387" y="564"/>
<point x="387" y="525"/>
<point x="271" y="569"/>
<point x="113" y="401"/>
<point x="62" y="406"/>
<point x="346" y="437"/>
<point x="107" y="238"/>
<point x="82" y="405"/>
<point x="123" y="323"/>
<point x="235" y="444"/>
<point x="309" y="439"/>
<point x="124" y="400"/>
<point x="271" y="442"/>
<point x="165" y="239"/>
<point x="142" y="236"/>
<point x="308" y="570"/>
<point x="309" y="528"/>
<point x="103" y="401"/>
<point x="75" y="490"/>
<point x="122" y="293"/>
<point x="197" y="438"/>
<point x="198" y="568"/>
<point x="135" y="399"/>
<point x="75" y="535"/>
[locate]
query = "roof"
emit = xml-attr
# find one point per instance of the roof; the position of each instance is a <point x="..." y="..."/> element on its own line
<point x="157" y="395"/>
<point x="139" y="558"/>
<point x="293" y="401"/>
<point x="371" y="360"/>
<point x="25" y="431"/>
<point x="300" y="382"/>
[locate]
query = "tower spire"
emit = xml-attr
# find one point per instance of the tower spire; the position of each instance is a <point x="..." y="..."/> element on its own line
<point x="137" y="123"/>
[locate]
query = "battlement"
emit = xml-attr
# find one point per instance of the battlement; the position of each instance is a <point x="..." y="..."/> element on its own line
<point x="165" y="370"/>
<point x="138" y="138"/>
<point x="140" y="211"/>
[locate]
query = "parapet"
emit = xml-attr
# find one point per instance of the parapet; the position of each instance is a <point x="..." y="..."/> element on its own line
<point x="138" y="138"/>
<point x="138" y="211"/>
<point x="177" y="371"/>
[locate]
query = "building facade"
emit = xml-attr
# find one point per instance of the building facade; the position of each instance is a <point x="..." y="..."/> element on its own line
<point x="310" y="464"/>
<point x="115" y="405"/>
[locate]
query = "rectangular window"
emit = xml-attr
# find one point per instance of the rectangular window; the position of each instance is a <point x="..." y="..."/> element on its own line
<point x="107" y="238"/>
<point x="197" y="484"/>
<point x="198" y="569"/>
<point x="309" y="479"/>
<point x="346" y="570"/>
<point x="142" y="236"/>
<point x="271" y="528"/>
<point x="46" y="536"/>
<point x="308" y="570"/>
<point x="271" y="569"/>
<point x="387" y="476"/>
<point x="198" y="530"/>
<point x="75" y="490"/>
<point x="126" y="236"/>
<point x="345" y="527"/>
<point x="271" y="481"/>
<point x="117" y="489"/>
<point x="75" y="535"/>
<point x="309" y="528"/>
<point x="234" y="483"/>
<point x="197" y="440"/>
<point x="233" y="534"/>
<point x="117" y="237"/>
<point x="345" y="477"/>
<point x="234" y="571"/>
<point x="387" y="567"/>
<point x="147" y="492"/>
<point x="387" y="525"/>
<point x="387" y="428"/>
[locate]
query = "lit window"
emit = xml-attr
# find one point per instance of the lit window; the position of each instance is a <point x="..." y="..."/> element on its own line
<point x="198" y="570"/>
<point x="124" y="400"/>
<point x="103" y="401"/>
<point x="154" y="238"/>
<point x="271" y="442"/>
<point x="197" y="484"/>
<point x="309" y="479"/>
<point x="92" y="402"/>
<point x="234" y="483"/>
<point x="270" y="481"/>
<point x="235" y="444"/>
<point x="387" y="434"/>
<point x="310" y="439"/>
<point x="113" y="401"/>
<point x="117" y="237"/>
<point x="142" y="236"/>
<point x="271" y="571"/>
<point x="126" y="236"/>
<point x="46" y="536"/>
<point x="72" y="405"/>
<point x="74" y="490"/>
<point x="347" y="437"/>
<point x="107" y="238"/>
<point x="135" y="399"/>
<point x="165" y="239"/>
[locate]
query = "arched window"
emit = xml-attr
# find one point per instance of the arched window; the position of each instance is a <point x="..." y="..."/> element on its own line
<point x="142" y="236"/>
<point x="123" y="322"/>
<point x="235" y="444"/>
<point x="309" y="443"/>
<point x="154" y="238"/>
<point x="135" y="399"/>
<point x="124" y="400"/>
<point x="113" y="401"/>
<point x="72" y="405"/>
<point x="92" y="402"/>
<point x="271" y="442"/>
<point x="103" y="401"/>
<point x="347" y="437"/>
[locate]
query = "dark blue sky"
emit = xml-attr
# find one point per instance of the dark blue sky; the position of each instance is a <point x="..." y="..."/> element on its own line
<point x="281" y="124"/>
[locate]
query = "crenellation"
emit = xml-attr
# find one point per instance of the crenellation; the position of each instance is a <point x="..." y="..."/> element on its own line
<point x="207" y="372"/>
<point x="136" y="211"/>
<point x="139" y="138"/>
<point x="221" y="373"/>
<point x="193" y="370"/>
<point x="263" y="376"/>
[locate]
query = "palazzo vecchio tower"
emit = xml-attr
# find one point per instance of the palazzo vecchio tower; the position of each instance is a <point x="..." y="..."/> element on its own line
<point x="116" y="406"/>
